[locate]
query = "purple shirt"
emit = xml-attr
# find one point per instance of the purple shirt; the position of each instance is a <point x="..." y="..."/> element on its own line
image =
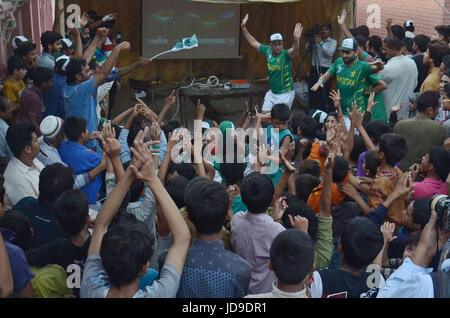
<point x="252" y="236"/>
<point x="429" y="187"/>
<point x="31" y="104"/>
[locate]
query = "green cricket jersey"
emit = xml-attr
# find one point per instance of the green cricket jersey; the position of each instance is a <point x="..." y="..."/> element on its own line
<point x="280" y="70"/>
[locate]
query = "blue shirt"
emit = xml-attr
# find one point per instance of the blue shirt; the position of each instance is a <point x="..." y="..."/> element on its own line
<point x="79" y="100"/>
<point x="53" y="98"/>
<point x="20" y="269"/>
<point x="82" y="160"/>
<point x="210" y="271"/>
<point x="5" y="152"/>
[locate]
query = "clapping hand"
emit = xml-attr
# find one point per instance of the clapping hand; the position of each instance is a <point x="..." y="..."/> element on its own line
<point x="387" y="229"/>
<point x="279" y="208"/>
<point x="299" y="223"/>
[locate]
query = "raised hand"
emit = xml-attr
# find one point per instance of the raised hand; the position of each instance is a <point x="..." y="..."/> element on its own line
<point x="342" y="17"/>
<point x="108" y="132"/>
<point x="426" y="248"/>
<point x="298" y="31"/>
<point x="387" y="229"/>
<point x="397" y="108"/>
<point x="155" y="132"/>
<point x="124" y="46"/>
<point x="388" y="22"/>
<point x="299" y="223"/>
<point x="112" y="147"/>
<point x="285" y="162"/>
<point x="279" y="208"/>
<point x="335" y="96"/>
<point x="371" y="103"/>
<point x="355" y="115"/>
<point x="84" y="20"/>
<point x="201" y="109"/>
<point x="349" y="190"/>
<point x="144" y="63"/>
<point x="94" y="135"/>
<point x="244" y="21"/>
<point x="171" y="99"/>
<point x="102" y="32"/>
<point x="414" y="169"/>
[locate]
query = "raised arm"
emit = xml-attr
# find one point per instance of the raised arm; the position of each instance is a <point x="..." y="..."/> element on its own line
<point x="293" y="51"/>
<point x="98" y="41"/>
<point x="133" y="67"/>
<point x="342" y="25"/>
<point x="322" y="80"/>
<point x="169" y="103"/>
<point x="107" y="67"/>
<point x="180" y="232"/>
<point x="78" y="44"/>
<point x="250" y="39"/>
<point x="356" y="119"/>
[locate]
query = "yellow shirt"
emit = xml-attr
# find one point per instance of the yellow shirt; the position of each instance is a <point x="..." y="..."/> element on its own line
<point x="13" y="90"/>
<point x="432" y="81"/>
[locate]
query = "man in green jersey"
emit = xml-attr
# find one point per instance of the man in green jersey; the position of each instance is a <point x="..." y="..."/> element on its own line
<point x="279" y="63"/>
<point x="352" y="76"/>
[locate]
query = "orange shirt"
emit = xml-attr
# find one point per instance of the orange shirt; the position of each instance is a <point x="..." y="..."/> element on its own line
<point x="336" y="196"/>
<point x="315" y="154"/>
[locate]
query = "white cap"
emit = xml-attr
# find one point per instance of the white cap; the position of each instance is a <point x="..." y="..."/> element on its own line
<point x="51" y="127"/>
<point x="276" y="37"/>
<point x="205" y="125"/>
<point x="66" y="59"/>
<point x="19" y="40"/>
<point x="320" y="116"/>
<point x="409" y="23"/>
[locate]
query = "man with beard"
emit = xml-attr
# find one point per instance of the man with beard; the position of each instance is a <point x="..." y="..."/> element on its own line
<point x="352" y="75"/>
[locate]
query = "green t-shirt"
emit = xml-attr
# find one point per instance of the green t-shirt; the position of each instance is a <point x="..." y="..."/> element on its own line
<point x="351" y="82"/>
<point x="379" y="111"/>
<point x="280" y="70"/>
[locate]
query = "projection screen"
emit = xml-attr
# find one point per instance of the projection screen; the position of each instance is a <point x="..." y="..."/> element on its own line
<point x="166" y="22"/>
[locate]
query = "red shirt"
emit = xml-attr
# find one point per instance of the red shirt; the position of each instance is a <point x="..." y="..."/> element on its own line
<point x="31" y="104"/>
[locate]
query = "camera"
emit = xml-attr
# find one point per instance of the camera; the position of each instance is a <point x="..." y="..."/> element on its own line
<point x="311" y="34"/>
<point x="441" y="204"/>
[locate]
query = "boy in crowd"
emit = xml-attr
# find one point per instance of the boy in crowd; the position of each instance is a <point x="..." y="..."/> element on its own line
<point x="435" y="165"/>
<point x="433" y="59"/>
<point x="211" y="271"/>
<point x="254" y="230"/>
<point x="291" y="259"/>
<point x="26" y="50"/>
<point x="14" y="84"/>
<point x="31" y="103"/>
<point x="75" y="154"/>
<point x="391" y="150"/>
<point x="51" y="43"/>
<point x="109" y="273"/>
<point x="53" y="181"/>
<point x="22" y="173"/>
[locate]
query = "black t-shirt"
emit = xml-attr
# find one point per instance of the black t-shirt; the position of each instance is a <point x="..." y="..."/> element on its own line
<point x="423" y="71"/>
<point x="337" y="283"/>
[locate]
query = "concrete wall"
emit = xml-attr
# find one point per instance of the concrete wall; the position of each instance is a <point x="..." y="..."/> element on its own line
<point x="426" y="14"/>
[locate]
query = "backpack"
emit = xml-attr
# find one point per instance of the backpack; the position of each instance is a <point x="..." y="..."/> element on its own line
<point x="441" y="284"/>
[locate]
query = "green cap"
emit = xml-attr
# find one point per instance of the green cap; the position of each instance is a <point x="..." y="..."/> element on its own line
<point x="349" y="45"/>
<point x="225" y="125"/>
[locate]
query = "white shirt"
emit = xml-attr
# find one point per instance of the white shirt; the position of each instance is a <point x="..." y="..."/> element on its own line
<point x="409" y="34"/>
<point x="51" y="154"/>
<point x="401" y="75"/>
<point x="408" y="281"/>
<point x="21" y="181"/>
<point x="278" y="293"/>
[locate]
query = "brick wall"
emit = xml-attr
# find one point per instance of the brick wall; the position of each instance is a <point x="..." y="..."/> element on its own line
<point x="426" y="14"/>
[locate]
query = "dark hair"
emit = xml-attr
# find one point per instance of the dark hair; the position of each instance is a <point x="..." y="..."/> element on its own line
<point x="371" y="162"/>
<point x="444" y="30"/>
<point x="74" y="127"/>
<point x="363" y="30"/>
<point x="186" y="170"/>
<point x="422" y="42"/>
<point x="170" y="127"/>
<point x="19" y="136"/>
<point x="328" y="26"/>
<point x="42" y="75"/>
<point x="437" y="50"/>
<point x="340" y="170"/>
<point x="93" y="64"/>
<point x="299" y="207"/>
<point x="295" y="121"/>
<point x="358" y="148"/>
<point x="281" y="112"/>
<point x="308" y="127"/>
<point x="376" y="128"/>
<point x="49" y="38"/>
<point x="292" y="256"/>
<point x="394" y="147"/>
<point x="71" y="211"/>
<point x="53" y="181"/>
<point x="310" y="166"/>
<point x="2" y="188"/>
<point x="413" y="238"/>
<point x="135" y="128"/>
<point x="361" y="41"/>
<point x="257" y="192"/>
<point x="428" y="99"/>
<point x="20" y="224"/>
<point x="408" y="28"/>
<point x="25" y="48"/>
<point x="354" y="32"/>
<point x="361" y="242"/>
<point x="440" y="159"/>
<point x="126" y="248"/>
<point x="398" y="31"/>
<point x="74" y="67"/>
<point x="393" y="43"/>
<point x="207" y="205"/>
<point x="176" y="187"/>
<point x="93" y="15"/>
<point x="376" y="43"/>
<point x="422" y="211"/>
<point x="408" y="44"/>
<point x="446" y="61"/>
<point x="16" y="63"/>
<point x="232" y="173"/>
<point x="304" y="184"/>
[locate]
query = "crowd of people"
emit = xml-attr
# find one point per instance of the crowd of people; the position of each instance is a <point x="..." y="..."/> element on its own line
<point x="98" y="208"/>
